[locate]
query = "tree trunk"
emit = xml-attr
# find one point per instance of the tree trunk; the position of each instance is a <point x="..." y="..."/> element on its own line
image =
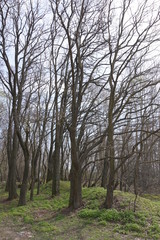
<point x="7" y="183"/>
<point x="62" y="172"/>
<point x="105" y="174"/>
<point x="39" y="169"/>
<point x="56" y="174"/>
<point x="90" y="177"/>
<point x="110" y="187"/>
<point x="23" y="191"/>
<point x="12" y="157"/>
<point x="121" y="179"/>
<point x="75" y="200"/>
<point x="33" y="170"/>
<point x="109" y="199"/>
<point x="56" y="164"/>
<point x="12" y="188"/>
<point x="50" y="165"/>
<point x="33" y="177"/>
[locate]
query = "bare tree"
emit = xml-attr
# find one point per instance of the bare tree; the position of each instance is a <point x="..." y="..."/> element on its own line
<point x="22" y="37"/>
<point x="129" y="42"/>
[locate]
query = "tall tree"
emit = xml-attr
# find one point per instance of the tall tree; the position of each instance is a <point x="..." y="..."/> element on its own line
<point x="21" y="43"/>
<point x="129" y="43"/>
<point x="82" y="44"/>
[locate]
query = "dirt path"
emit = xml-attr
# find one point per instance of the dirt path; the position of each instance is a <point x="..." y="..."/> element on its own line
<point x="9" y="232"/>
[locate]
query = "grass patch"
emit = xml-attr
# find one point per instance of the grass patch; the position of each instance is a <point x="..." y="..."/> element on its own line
<point x="154" y="231"/>
<point x="89" y="213"/>
<point x="59" y="217"/>
<point x="112" y="215"/>
<point x="46" y="218"/>
<point x="44" y="226"/>
<point x="28" y="219"/>
<point x="133" y="227"/>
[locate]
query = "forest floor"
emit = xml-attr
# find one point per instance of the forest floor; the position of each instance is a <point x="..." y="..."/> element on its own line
<point x="49" y="219"/>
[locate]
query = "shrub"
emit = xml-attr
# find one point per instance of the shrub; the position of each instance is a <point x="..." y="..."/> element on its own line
<point x="45" y="227"/>
<point x="127" y="216"/>
<point x="28" y="219"/>
<point x="154" y="231"/>
<point x="89" y="213"/>
<point x="134" y="227"/>
<point x="110" y="215"/>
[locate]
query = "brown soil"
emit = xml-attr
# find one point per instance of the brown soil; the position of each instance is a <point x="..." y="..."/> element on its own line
<point x="9" y="232"/>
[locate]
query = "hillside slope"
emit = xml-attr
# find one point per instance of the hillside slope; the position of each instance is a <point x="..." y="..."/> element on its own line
<point x="46" y="218"/>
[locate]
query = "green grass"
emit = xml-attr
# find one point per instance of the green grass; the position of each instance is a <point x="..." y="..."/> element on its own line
<point x="44" y="226"/>
<point x="48" y="218"/>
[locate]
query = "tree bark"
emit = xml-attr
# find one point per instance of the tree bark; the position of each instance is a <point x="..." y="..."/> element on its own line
<point x="105" y="170"/>
<point x="39" y="169"/>
<point x="75" y="200"/>
<point x="23" y="191"/>
<point x="56" y="166"/>
<point x="12" y="157"/>
<point x="110" y="187"/>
